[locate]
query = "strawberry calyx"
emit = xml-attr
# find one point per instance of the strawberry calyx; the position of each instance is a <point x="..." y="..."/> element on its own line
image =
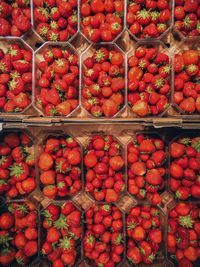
<point x="43" y="31"/>
<point x="54" y="25"/>
<point x="2" y="159"/>
<point x="3" y="67"/>
<point x="143" y="14"/>
<point x="90" y="72"/>
<point x="196" y="145"/>
<point x="131" y="225"/>
<point x="116" y="25"/>
<point x="11" y="51"/>
<point x="159" y="82"/>
<point x="4" y="240"/>
<point x="16" y="170"/>
<point x="14" y="75"/>
<point x="99" y="55"/>
<point x="22" y="209"/>
<point x="70" y="58"/>
<point x="161" y="26"/>
<point x="65" y="243"/>
<point x="60" y="62"/>
<point x="54" y="37"/>
<point x="54" y="10"/>
<point x="61" y="185"/>
<point x="106" y="207"/>
<point x="47" y="216"/>
<point x="167" y="69"/>
<point x="118" y="239"/>
<point x="192" y="67"/>
<point x="142" y="64"/>
<point x="20" y="260"/>
<point x="186" y="221"/>
<point x="187" y="22"/>
<point x="143" y="192"/>
<point x="61" y="223"/>
<point x="155" y="15"/>
<point x="12" y="84"/>
<point x="185" y="141"/>
<point x="44" y="11"/>
<point x="90" y="239"/>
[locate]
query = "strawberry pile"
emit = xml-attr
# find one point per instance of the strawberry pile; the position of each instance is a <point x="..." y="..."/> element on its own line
<point x="186" y="81"/>
<point x="148" y="81"/>
<point x="148" y="19"/>
<point x="146" y="167"/>
<point x="55" y="20"/>
<point x="62" y="232"/>
<point x="187" y="17"/>
<point x="184" y="234"/>
<point x="18" y="234"/>
<point x="102" y="20"/>
<point x="15" y="17"/>
<point x="58" y="82"/>
<point x="103" y="82"/>
<point x="17" y="165"/>
<point x="104" y="168"/>
<point x="103" y="237"/>
<point x="144" y="235"/>
<point x="60" y="167"/>
<point x="15" y="78"/>
<point x="185" y="167"/>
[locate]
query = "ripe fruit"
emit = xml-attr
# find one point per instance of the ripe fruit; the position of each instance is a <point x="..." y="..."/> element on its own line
<point x="55" y="21"/>
<point x="61" y="226"/>
<point x="60" y="166"/>
<point x="58" y="81"/>
<point x="104" y="168"/>
<point x="148" y="81"/>
<point x="15" y="78"/>
<point x="15" y="18"/>
<point x="148" y="19"/>
<point x="184" y="238"/>
<point x="17" y="165"/>
<point x="186" y="70"/>
<point x="184" y="167"/>
<point x="146" y="167"/>
<point x="103" y="232"/>
<point x="186" y="15"/>
<point x="103" y="82"/>
<point x="143" y="235"/>
<point x="101" y="20"/>
<point x="18" y="233"/>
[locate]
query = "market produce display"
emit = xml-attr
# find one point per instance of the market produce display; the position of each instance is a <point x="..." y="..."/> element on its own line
<point x="103" y="236"/>
<point x="144" y="235"/>
<point x="102" y="20"/>
<point x="149" y="83"/>
<point x="17" y="165"/>
<point x="60" y="167"/>
<point x="103" y="81"/>
<point x="185" y="167"/>
<point x="148" y="19"/>
<point x="55" y="21"/>
<point x="104" y="168"/>
<point x="15" y="17"/>
<point x="15" y="77"/>
<point x="183" y="234"/>
<point x="61" y="233"/>
<point x="187" y="17"/>
<point x="18" y="234"/>
<point x="99" y="133"/>
<point x="58" y="82"/>
<point x="186" y="81"/>
<point x="146" y="159"/>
